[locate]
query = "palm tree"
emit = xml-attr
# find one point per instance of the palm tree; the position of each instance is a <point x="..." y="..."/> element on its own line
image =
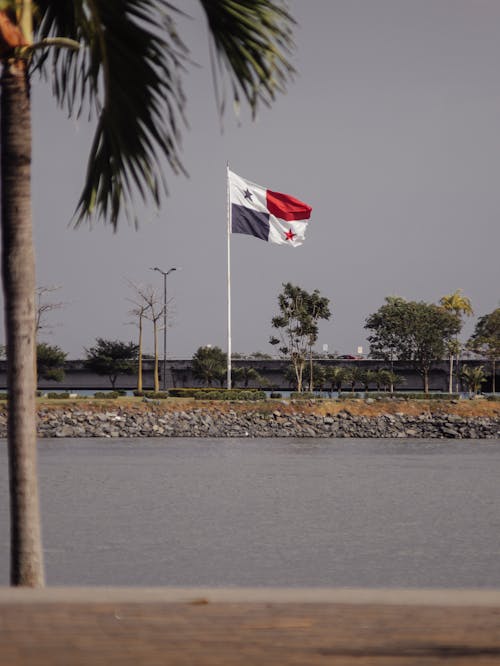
<point x="367" y="377"/>
<point x="388" y="379"/>
<point x="473" y="377"/>
<point x="208" y="364"/>
<point x="353" y="376"/>
<point x="335" y="377"/>
<point x="459" y="305"/>
<point x="121" y="58"/>
<point x="246" y="374"/>
<point x="318" y="372"/>
<point x="453" y="348"/>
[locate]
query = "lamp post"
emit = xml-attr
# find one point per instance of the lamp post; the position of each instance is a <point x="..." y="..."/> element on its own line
<point x="165" y="275"/>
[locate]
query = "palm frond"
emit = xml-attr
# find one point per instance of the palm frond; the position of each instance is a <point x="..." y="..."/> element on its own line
<point x="127" y="72"/>
<point x="127" y="75"/>
<point x="252" y="39"/>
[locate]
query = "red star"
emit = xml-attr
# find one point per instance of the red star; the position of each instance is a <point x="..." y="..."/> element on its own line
<point x="290" y="235"/>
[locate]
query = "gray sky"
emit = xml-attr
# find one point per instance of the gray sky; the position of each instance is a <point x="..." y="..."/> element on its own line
<point x="391" y="132"/>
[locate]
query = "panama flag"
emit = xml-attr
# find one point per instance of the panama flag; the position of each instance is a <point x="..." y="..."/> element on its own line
<point x="271" y="216"/>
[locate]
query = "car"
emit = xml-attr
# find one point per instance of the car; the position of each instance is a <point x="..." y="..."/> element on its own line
<point x="349" y="356"/>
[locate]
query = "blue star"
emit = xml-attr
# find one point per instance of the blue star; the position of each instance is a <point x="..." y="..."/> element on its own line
<point x="247" y="194"/>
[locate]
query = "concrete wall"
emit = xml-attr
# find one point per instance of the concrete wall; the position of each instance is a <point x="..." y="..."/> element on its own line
<point x="179" y="375"/>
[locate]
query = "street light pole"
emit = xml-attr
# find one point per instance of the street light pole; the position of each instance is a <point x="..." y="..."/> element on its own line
<point x="165" y="275"/>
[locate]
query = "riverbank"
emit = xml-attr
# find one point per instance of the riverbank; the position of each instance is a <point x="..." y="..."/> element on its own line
<point x="462" y="419"/>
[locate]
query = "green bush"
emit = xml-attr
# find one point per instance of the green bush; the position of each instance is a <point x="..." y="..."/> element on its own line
<point x="494" y="398"/>
<point x="231" y="394"/>
<point x="4" y="396"/>
<point x="427" y="396"/>
<point x="108" y="395"/>
<point x="189" y="392"/>
<point x="275" y="395"/>
<point x="158" y="395"/>
<point x="304" y="395"/>
<point x="57" y="396"/>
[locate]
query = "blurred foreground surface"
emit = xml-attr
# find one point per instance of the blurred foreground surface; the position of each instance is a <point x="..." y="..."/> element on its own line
<point x="261" y="626"/>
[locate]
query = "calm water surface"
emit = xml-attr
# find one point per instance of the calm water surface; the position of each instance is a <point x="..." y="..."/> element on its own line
<point x="283" y="512"/>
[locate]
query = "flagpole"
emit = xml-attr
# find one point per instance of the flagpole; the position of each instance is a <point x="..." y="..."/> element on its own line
<point x="228" y="281"/>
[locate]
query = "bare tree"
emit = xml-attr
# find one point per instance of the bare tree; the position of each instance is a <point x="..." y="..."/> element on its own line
<point x="44" y="307"/>
<point x="153" y="311"/>
<point x="139" y="310"/>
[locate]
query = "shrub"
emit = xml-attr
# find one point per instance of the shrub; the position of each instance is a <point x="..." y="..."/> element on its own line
<point x="189" y="392"/>
<point x="230" y="394"/>
<point x="106" y="395"/>
<point x="57" y="396"/>
<point x="4" y="396"/>
<point x="427" y="396"/>
<point x="275" y="395"/>
<point x="158" y="395"/>
<point x="304" y="395"/>
<point x="349" y="396"/>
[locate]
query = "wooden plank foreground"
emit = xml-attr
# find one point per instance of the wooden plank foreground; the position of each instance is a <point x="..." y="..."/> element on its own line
<point x="203" y="627"/>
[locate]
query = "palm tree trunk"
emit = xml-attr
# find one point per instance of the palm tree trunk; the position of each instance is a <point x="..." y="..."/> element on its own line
<point x="298" y="367"/>
<point x="450" y="383"/>
<point x="457" y="370"/>
<point x="311" y="377"/>
<point x="18" y="271"/>
<point x="139" y="369"/>
<point x="155" y="345"/>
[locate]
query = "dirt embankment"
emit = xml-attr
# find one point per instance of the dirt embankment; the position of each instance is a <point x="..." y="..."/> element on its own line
<point x="357" y="407"/>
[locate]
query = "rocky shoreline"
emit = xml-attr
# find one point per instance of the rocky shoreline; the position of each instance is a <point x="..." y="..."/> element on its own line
<point x="251" y="421"/>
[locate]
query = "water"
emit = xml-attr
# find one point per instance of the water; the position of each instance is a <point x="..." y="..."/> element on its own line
<point x="274" y="512"/>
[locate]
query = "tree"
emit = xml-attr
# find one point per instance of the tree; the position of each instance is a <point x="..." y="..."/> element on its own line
<point x="473" y="377"/>
<point x="44" y="307"/>
<point x="50" y="361"/>
<point x="297" y="325"/>
<point x="460" y="305"/>
<point x="122" y="59"/>
<point x="246" y="374"/>
<point x="318" y="308"/>
<point x="336" y="375"/>
<point x="353" y="376"/>
<point x="139" y="311"/>
<point x="112" y="358"/>
<point x="154" y="312"/>
<point x="386" y="321"/>
<point x="368" y="377"/>
<point x="318" y="374"/>
<point x="387" y="379"/>
<point x="209" y="364"/>
<point x="486" y="340"/>
<point x="453" y="348"/>
<point x="413" y="331"/>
